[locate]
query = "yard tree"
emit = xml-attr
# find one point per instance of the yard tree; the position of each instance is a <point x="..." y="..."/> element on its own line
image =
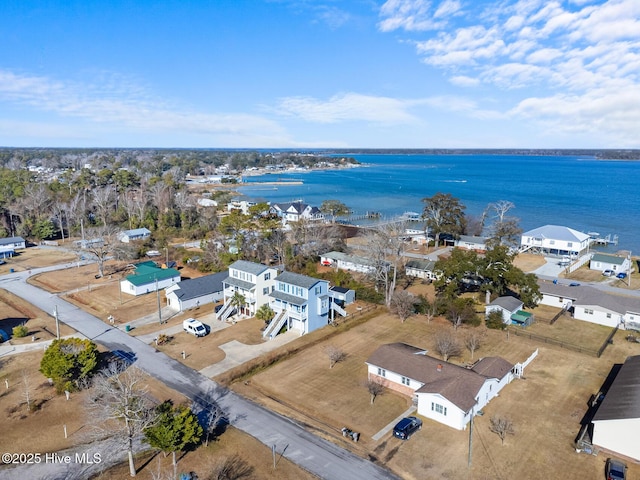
<point x="375" y="388"/>
<point x="447" y="345"/>
<point x="504" y="230"/>
<point x="102" y="243"/>
<point x="462" y="310"/>
<point x="335" y="355"/>
<point x="118" y="407"/>
<point x="503" y="276"/>
<point x="175" y="429"/>
<point x="68" y="362"/>
<point x="237" y="301"/>
<point x="501" y="426"/>
<point x="473" y="340"/>
<point x="443" y="213"/>
<point x="453" y="269"/>
<point x="403" y="304"/>
<point x="265" y="313"/>
<point x="495" y="321"/>
<point x="334" y="208"/>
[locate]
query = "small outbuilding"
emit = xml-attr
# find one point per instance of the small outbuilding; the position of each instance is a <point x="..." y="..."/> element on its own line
<point x="508" y="306"/>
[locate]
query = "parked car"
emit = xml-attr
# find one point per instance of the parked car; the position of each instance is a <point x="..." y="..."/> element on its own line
<point x="621" y="275"/>
<point x="574" y="284"/>
<point x="406" y="427"/>
<point x="194" y="327"/>
<point x="608" y="273"/>
<point x="615" y="470"/>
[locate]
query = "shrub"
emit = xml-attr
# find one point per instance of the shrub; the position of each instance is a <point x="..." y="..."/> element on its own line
<point x="20" y="331"/>
<point x="494" y="320"/>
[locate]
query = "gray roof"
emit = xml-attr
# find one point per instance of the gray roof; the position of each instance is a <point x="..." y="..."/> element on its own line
<point x="345" y="257"/>
<point x="556" y="232"/>
<point x="137" y="231"/>
<point x="236" y="282"/>
<point x="298" y="280"/>
<point x="425" y="265"/>
<point x="249" y="267"/>
<point x="199" y="287"/>
<point x="459" y="385"/>
<point x="472" y="239"/>
<point x="622" y="401"/>
<point x="604" y="258"/>
<point x="590" y="296"/>
<point x="286" y="297"/>
<point x="11" y="240"/>
<point x="508" y="302"/>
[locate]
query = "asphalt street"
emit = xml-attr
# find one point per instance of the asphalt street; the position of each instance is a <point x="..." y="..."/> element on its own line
<point x="312" y="453"/>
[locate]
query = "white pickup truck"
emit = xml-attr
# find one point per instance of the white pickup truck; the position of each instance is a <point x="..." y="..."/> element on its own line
<point x="194" y="327"/>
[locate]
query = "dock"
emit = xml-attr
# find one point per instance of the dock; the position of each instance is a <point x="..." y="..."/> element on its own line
<point x="600" y="240"/>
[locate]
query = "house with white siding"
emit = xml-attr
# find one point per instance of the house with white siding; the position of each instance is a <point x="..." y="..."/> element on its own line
<point x="136" y="234"/>
<point x="148" y="277"/>
<point x="254" y="281"/>
<point x="420" y="269"/>
<point x="617" y="263"/>
<point x="296" y="211"/>
<point x="14" y="243"/>
<point x="300" y="302"/>
<point x="351" y="263"/>
<point x="472" y="242"/>
<point x="446" y="393"/>
<point x="507" y="306"/>
<point x="616" y="423"/>
<point x="196" y="292"/>
<point x="555" y="240"/>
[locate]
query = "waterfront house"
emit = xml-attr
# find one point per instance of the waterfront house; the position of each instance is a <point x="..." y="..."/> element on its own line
<point x="148" y="277"/>
<point x="602" y="262"/>
<point x="296" y="211"/>
<point x="243" y="204"/>
<point x="616" y="422"/>
<point x="472" y="242"/>
<point x="300" y="302"/>
<point x="136" y="234"/>
<point x="352" y="263"/>
<point x="447" y="393"/>
<point x="253" y="281"/>
<point x="555" y="240"/>
<point x="196" y="292"/>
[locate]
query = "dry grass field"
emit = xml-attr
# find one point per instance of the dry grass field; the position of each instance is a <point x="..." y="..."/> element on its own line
<point x="34" y="257"/>
<point x="546" y="407"/>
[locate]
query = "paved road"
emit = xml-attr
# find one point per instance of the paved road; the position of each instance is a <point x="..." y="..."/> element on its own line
<point x="316" y="455"/>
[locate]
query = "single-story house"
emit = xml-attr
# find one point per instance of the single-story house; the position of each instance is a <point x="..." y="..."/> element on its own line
<point x="344" y="261"/>
<point x="133" y="235"/>
<point x="593" y="305"/>
<point x="555" y="240"/>
<point x="616" y="423"/>
<point x="148" y="277"/>
<point x="472" y="242"/>
<point x="447" y="393"/>
<point x="7" y="251"/>
<point x="511" y="310"/>
<point x="15" y="243"/>
<point x="195" y="292"/>
<point x="421" y="269"/>
<point x="602" y="262"/>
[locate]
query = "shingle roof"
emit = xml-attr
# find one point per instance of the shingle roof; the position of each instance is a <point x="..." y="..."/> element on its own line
<point x="11" y="240"/>
<point x="348" y="258"/>
<point x="198" y="287"/>
<point x="589" y="296"/>
<point x="459" y="385"/>
<point x="604" y="258"/>
<point x="249" y="267"/>
<point x="298" y="280"/>
<point x="508" y="303"/>
<point x="622" y="401"/>
<point x="426" y="265"/>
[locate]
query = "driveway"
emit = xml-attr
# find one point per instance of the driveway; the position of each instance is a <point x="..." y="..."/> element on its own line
<point x="314" y="454"/>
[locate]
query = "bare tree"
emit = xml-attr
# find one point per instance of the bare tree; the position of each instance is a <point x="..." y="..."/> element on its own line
<point x="472" y="341"/>
<point x="335" y="354"/>
<point x="403" y="304"/>
<point x="375" y="388"/>
<point x="230" y="468"/>
<point x="502" y="426"/>
<point x="104" y="201"/>
<point x="446" y="345"/>
<point x="501" y="207"/>
<point x="103" y="243"/>
<point x="119" y="407"/>
<point x="26" y="382"/>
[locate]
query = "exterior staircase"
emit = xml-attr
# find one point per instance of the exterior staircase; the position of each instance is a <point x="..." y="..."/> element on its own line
<point x="275" y="325"/>
<point x="338" y="309"/>
<point x="225" y="311"/>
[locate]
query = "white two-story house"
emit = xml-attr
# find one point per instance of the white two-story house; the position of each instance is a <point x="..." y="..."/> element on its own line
<point x="296" y="211"/>
<point x="299" y="302"/>
<point x="253" y="281"/>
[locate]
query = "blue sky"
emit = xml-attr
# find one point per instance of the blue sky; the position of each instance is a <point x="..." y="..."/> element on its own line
<point x="320" y="73"/>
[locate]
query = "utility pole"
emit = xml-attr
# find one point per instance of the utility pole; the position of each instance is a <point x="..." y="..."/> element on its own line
<point x="470" y="439"/>
<point x="158" y="296"/>
<point x="55" y="314"/>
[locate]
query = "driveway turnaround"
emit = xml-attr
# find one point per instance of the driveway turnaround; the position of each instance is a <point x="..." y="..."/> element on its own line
<point x="310" y="452"/>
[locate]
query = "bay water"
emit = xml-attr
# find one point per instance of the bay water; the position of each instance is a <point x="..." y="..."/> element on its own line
<point x="583" y="193"/>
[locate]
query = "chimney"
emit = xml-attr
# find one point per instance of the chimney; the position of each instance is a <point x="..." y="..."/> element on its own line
<point x="439" y="367"/>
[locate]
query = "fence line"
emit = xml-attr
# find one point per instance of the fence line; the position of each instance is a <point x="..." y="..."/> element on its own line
<point x="559" y="343"/>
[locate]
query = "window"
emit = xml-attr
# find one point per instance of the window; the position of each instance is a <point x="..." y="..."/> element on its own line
<point x="382" y="372"/>
<point x="265" y="291"/>
<point x="318" y="290"/>
<point x="608" y="315"/>
<point x="406" y="381"/>
<point x="552" y="242"/>
<point x="267" y="276"/>
<point x="439" y="408"/>
<point x="569" y="244"/>
<point x="588" y="311"/>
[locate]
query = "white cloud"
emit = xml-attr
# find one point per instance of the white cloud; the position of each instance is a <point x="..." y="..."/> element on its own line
<point x="447" y="8"/>
<point x="409" y="15"/>
<point x="349" y="107"/>
<point x="464" y="81"/>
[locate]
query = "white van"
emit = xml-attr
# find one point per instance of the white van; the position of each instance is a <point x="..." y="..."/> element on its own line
<point x="194" y="327"/>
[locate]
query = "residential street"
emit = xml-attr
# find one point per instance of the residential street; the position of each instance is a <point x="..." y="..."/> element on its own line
<point x="324" y="459"/>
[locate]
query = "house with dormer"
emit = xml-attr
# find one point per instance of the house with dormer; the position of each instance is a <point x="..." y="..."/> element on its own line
<point x="300" y="302"/>
<point x="447" y="393"/>
<point x="296" y="211"/>
<point x="253" y="281"/>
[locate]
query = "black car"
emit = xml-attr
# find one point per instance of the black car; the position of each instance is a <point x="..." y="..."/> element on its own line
<point x="615" y="470"/>
<point x="406" y="427"/>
